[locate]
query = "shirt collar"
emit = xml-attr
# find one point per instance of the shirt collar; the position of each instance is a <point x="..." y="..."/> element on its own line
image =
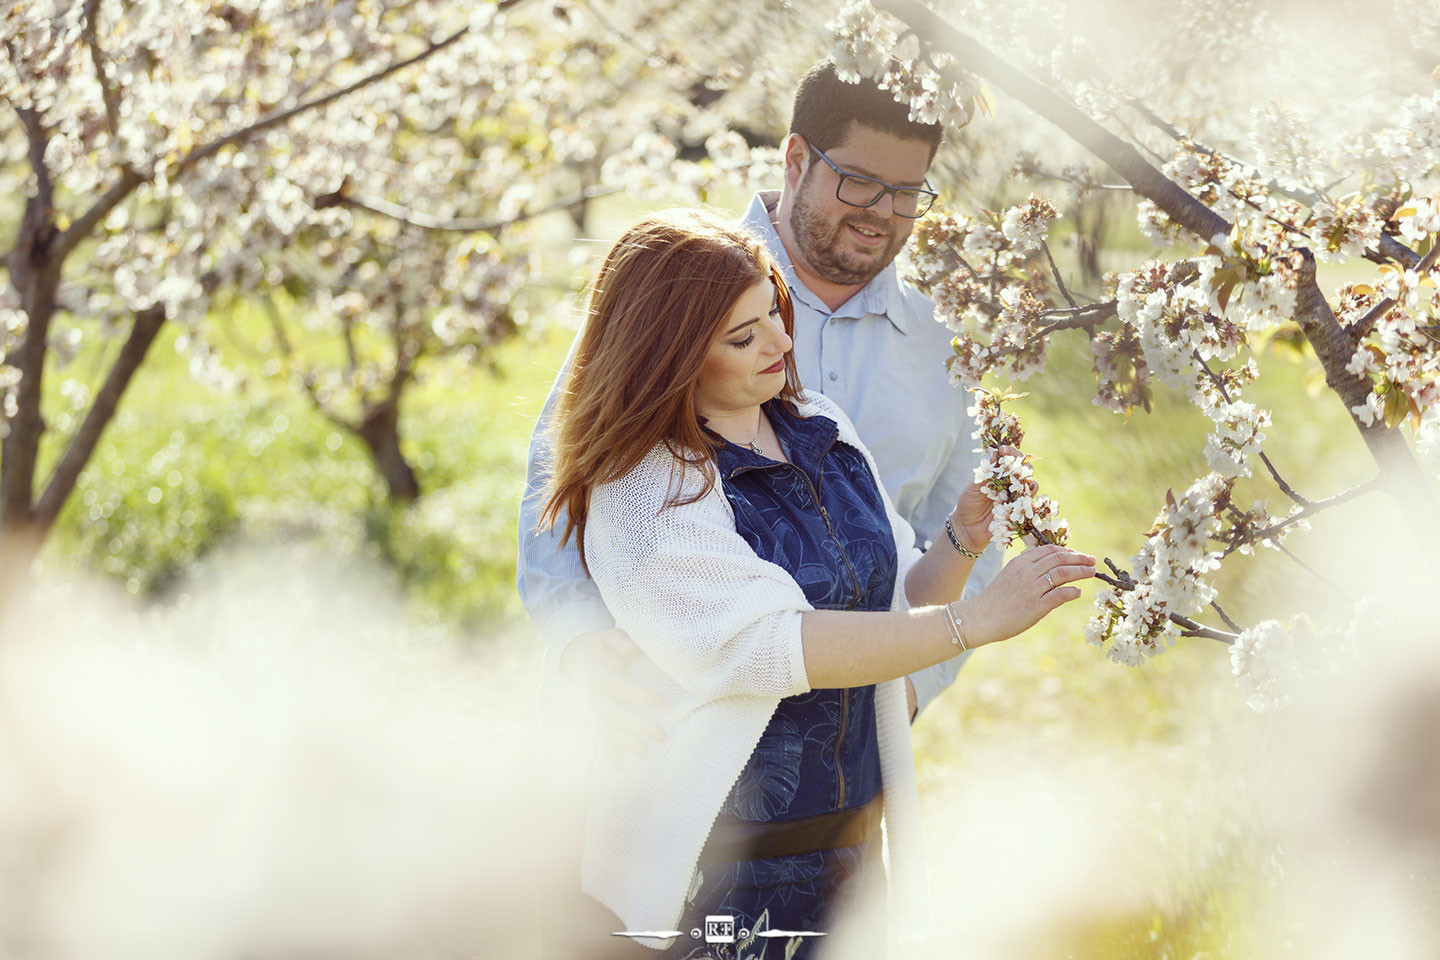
<point x="876" y="297"/>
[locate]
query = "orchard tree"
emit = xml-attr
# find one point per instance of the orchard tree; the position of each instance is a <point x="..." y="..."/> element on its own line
<point x="365" y="170"/>
<point x="1253" y="205"/>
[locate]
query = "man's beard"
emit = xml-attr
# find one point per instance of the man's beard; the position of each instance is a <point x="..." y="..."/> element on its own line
<point x="820" y="243"/>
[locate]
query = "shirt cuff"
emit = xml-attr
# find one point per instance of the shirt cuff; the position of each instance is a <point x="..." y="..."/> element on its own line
<point x="932" y="681"/>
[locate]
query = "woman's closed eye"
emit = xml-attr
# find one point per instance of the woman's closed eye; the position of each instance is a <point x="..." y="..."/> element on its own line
<point x="742" y="344"/>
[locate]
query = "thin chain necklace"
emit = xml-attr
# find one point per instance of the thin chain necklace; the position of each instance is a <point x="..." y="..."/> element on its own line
<point x="751" y="442"/>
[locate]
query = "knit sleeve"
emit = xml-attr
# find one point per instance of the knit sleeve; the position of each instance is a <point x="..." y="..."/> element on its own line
<point x="906" y="553"/>
<point x="689" y="590"/>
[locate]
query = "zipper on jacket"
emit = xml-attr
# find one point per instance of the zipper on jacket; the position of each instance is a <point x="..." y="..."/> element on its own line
<point x="854" y="599"/>
<point x="844" y="691"/>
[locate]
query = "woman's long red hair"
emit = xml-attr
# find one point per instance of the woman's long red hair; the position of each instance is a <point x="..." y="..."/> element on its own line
<point x="659" y="301"/>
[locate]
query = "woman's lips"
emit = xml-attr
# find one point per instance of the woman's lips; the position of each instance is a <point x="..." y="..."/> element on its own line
<point x="776" y="368"/>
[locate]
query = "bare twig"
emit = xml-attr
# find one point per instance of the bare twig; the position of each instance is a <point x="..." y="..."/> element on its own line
<point x="1315" y="573"/>
<point x="1056" y="271"/>
<point x="1226" y="617"/>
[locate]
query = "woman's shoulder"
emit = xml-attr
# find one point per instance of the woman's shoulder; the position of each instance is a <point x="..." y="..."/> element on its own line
<point x="817" y="404"/>
<point x="661" y="478"/>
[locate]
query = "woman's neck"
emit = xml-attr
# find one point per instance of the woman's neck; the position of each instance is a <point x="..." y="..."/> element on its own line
<point x="738" y="426"/>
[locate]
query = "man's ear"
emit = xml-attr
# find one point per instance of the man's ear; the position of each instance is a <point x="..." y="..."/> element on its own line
<point x="797" y="157"/>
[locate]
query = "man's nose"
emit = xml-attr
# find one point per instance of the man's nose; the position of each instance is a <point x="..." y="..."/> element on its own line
<point x="885" y="206"/>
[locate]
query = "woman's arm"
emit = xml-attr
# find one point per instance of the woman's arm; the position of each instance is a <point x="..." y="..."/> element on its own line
<point x="722" y="622"/>
<point x="852" y="649"/>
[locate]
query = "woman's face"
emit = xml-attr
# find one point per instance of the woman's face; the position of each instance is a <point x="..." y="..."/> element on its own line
<point x="746" y="363"/>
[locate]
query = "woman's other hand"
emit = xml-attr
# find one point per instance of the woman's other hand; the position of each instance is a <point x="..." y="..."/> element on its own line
<point x="973" y="512"/>
<point x="1029" y="587"/>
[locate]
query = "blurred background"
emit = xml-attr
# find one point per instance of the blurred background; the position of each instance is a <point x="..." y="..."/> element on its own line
<point x="333" y="336"/>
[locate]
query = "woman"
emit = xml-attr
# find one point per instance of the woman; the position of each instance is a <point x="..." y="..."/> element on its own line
<point x="735" y="527"/>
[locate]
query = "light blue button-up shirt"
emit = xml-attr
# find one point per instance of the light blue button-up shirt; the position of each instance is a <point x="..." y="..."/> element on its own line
<point x="880" y="356"/>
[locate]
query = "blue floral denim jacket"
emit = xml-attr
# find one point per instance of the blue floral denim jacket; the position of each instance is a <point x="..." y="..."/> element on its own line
<point x="820" y="517"/>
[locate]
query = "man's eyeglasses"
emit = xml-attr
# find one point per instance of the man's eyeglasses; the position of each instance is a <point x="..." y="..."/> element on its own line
<point x="862" y="191"/>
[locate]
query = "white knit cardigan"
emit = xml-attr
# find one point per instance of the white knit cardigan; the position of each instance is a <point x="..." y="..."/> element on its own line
<point x="722" y="627"/>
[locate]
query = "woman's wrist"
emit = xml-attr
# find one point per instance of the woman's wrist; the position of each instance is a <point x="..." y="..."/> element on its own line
<point x="963" y="540"/>
<point x="969" y="620"/>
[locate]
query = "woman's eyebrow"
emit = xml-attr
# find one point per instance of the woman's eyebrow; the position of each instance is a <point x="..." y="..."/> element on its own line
<point x="738" y="327"/>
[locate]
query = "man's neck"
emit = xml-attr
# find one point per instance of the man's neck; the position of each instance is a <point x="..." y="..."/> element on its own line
<point x="833" y="295"/>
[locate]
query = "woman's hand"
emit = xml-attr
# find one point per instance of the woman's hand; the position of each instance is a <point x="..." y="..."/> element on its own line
<point x="1020" y="596"/>
<point x="973" y="511"/>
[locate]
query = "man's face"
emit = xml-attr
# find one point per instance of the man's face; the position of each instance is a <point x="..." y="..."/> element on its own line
<point x="849" y="245"/>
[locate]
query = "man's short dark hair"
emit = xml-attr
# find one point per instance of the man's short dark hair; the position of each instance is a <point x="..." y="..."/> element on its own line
<point x="825" y="106"/>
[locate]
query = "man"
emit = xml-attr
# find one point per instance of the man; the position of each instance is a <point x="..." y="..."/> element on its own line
<point x="854" y="183"/>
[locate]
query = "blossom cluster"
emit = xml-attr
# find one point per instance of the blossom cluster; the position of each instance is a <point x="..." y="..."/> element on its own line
<point x="1271" y="659"/>
<point x="868" y="45"/>
<point x="1168" y="576"/>
<point x="1398" y="352"/>
<point x="968" y="267"/>
<point x="1020" y="511"/>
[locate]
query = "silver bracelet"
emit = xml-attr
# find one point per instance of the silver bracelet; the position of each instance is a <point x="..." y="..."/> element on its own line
<point x="956" y="637"/>
<point x="955" y="542"/>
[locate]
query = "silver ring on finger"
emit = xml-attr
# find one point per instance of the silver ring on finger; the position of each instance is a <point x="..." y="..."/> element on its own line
<point x="1048" y="580"/>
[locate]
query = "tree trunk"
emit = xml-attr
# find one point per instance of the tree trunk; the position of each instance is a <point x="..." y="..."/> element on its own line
<point x="380" y="429"/>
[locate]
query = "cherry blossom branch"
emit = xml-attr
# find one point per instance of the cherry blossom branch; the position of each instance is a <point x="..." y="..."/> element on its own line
<point x="1314" y="507"/>
<point x="1087" y="317"/>
<point x="1219" y="383"/>
<point x="1365" y="324"/>
<point x="129" y="180"/>
<point x="1389" y="249"/>
<point x="1190" y="628"/>
<point x="344" y="196"/>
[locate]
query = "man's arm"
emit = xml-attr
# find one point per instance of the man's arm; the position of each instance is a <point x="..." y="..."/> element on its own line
<point x="929" y="522"/>
<point x="554" y="587"/>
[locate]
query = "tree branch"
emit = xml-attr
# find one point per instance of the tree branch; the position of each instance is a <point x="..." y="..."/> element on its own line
<point x="1314" y="507"/>
<point x="81" y="228"/>
<point x="1056" y="272"/>
<point x="1122" y="157"/>
<point x="1361" y="329"/>
<point x="1389" y="248"/>
<point x="415" y="218"/>
<point x="102" y="409"/>
<point x="108" y="94"/>
<point x="1225" y="395"/>
<point x="1191" y="628"/>
<point x="277" y="118"/>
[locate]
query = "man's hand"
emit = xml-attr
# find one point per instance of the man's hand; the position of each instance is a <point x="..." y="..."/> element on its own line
<point x="603" y="665"/>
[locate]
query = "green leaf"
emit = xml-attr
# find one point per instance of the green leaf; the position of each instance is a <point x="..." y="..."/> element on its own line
<point x="1397" y="407"/>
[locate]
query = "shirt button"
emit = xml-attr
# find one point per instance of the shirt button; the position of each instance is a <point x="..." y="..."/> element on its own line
<point x="834" y="376"/>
